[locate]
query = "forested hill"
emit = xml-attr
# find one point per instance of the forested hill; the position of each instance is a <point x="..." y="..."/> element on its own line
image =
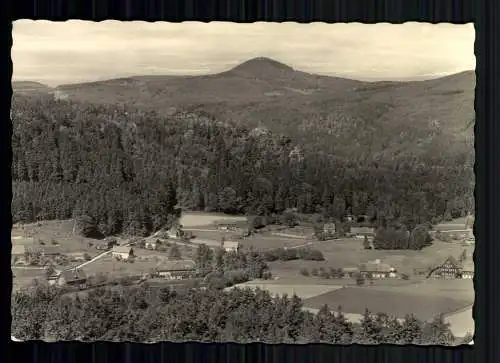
<point x="127" y="168"/>
<point x="350" y="118"/>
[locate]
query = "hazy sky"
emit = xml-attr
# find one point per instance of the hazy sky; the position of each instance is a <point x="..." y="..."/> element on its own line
<point x="78" y="51"/>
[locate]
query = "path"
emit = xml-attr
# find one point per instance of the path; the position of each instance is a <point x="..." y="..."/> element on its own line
<point x="200" y="230"/>
<point x="97" y="257"/>
<point x="302" y="245"/>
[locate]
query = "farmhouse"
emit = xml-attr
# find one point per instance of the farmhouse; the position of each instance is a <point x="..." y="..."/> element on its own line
<point x="449" y="269"/>
<point x="230" y="246"/>
<point x="151" y="244"/>
<point x="176" y="270"/>
<point x="122" y="252"/>
<point x="362" y="232"/>
<point x="226" y="226"/>
<point x="377" y="270"/>
<point x="73" y="277"/>
<point x="105" y="245"/>
<point x="349" y="272"/>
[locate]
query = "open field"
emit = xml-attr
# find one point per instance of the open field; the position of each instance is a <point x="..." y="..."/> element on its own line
<point x="213" y="234"/>
<point x="460" y="289"/>
<point x="304" y="291"/>
<point x="199" y="219"/>
<point x="357" y="299"/>
<point x="25" y="276"/>
<point x="108" y="265"/>
<point x="61" y="231"/>
<point x="267" y="242"/>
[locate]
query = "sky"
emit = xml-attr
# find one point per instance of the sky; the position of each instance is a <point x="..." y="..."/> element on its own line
<point x="75" y="51"/>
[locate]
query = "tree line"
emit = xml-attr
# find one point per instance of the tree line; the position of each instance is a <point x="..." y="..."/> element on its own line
<point x="144" y="314"/>
<point x="127" y="169"/>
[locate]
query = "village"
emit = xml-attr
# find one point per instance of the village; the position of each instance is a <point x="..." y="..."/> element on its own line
<point x="341" y="270"/>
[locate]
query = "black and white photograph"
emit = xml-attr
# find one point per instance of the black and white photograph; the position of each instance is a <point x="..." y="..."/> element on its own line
<point x="225" y="182"/>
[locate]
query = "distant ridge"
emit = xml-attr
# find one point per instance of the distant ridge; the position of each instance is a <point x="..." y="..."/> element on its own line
<point x="388" y="118"/>
<point x="30" y="87"/>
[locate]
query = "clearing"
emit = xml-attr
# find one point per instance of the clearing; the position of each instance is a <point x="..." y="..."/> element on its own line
<point x="200" y="219"/>
<point x="59" y="231"/>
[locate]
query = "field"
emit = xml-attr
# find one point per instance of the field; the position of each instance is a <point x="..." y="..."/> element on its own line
<point x="60" y="231"/>
<point x="24" y="276"/>
<point x="200" y="219"/>
<point x="290" y="287"/>
<point x="266" y="241"/>
<point x="398" y="303"/>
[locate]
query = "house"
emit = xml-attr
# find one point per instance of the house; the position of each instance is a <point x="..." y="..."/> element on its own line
<point x="152" y="244"/>
<point x="467" y="269"/>
<point x="176" y="270"/>
<point x="226" y="227"/>
<point x="122" y="252"/>
<point x="74" y="277"/>
<point x="105" y="245"/>
<point x="53" y="279"/>
<point x="350" y="272"/>
<point x="377" y="270"/>
<point x="449" y="269"/>
<point x="362" y="232"/>
<point x="230" y="246"/>
<point x="329" y="229"/>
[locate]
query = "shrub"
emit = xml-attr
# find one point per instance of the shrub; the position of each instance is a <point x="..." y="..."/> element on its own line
<point x="304" y="271"/>
<point x="360" y="280"/>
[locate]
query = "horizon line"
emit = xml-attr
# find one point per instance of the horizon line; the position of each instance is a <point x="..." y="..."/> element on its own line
<point x="359" y="79"/>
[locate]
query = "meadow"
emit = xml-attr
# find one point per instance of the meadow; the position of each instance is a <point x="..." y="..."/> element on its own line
<point x="58" y="231"/>
<point x="397" y="303"/>
<point x="201" y="219"/>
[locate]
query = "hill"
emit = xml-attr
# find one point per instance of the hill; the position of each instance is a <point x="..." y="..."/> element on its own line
<point x="29" y="87"/>
<point x="387" y="118"/>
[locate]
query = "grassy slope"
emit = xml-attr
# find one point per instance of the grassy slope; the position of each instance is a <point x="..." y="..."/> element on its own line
<point x="390" y="117"/>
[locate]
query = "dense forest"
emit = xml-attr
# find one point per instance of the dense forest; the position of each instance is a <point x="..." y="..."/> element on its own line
<point x="146" y="314"/>
<point x="128" y="169"/>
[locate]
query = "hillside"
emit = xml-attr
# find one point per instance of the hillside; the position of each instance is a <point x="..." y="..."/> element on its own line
<point x="387" y="118"/>
<point x="29" y="87"/>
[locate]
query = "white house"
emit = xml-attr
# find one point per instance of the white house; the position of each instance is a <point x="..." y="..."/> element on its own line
<point x="230" y="246"/>
<point x="122" y="252"/>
